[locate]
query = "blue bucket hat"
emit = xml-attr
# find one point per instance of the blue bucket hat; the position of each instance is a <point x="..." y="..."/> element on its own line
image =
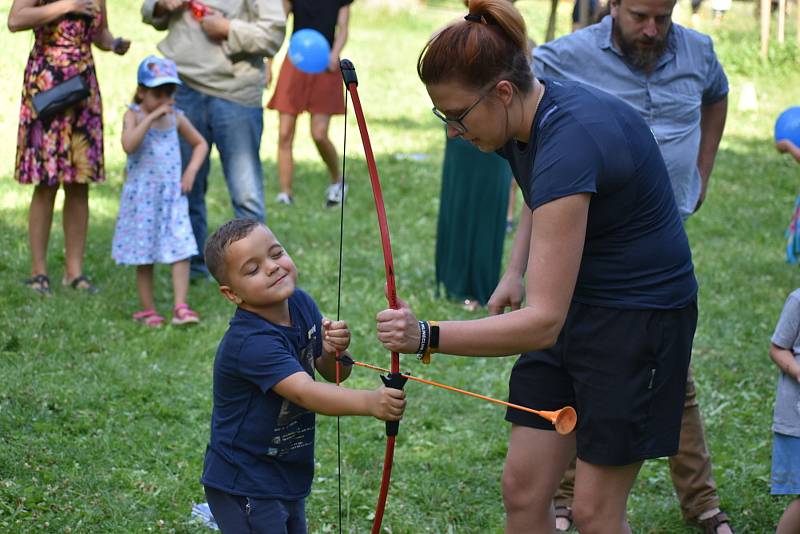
<point x="155" y="71"/>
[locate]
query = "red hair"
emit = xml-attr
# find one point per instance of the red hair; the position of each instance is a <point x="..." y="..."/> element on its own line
<point x="491" y="47"/>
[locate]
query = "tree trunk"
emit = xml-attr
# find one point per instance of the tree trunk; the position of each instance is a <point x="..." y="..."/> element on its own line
<point x="766" y="15"/>
<point x="584" y="14"/>
<point x="797" y="19"/>
<point x="551" y="21"/>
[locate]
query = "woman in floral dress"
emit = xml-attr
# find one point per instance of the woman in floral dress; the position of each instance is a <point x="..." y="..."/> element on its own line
<point x="67" y="147"/>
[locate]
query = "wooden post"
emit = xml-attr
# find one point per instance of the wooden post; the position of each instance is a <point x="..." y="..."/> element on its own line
<point x="797" y="20"/>
<point x="583" y="12"/>
<point x="766" y="15"/>
<point x="551" y="21"/>
<point x="781" y="20"/>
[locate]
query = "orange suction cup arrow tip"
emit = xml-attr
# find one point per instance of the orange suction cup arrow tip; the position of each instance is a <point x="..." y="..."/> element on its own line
<point x="564" y="420"/>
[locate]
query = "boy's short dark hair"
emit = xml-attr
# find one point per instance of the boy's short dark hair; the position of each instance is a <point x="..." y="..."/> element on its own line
<point x="214" y="251"/>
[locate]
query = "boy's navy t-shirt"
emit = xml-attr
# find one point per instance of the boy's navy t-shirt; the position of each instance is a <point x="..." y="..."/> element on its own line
<point x="262" y="445"/>
<point x="583" y="140"/>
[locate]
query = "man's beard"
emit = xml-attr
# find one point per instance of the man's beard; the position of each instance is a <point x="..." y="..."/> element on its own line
<point x="641" y="57"/>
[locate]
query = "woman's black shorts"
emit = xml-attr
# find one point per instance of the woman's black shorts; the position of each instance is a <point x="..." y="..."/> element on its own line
<point x="624" y="371"/>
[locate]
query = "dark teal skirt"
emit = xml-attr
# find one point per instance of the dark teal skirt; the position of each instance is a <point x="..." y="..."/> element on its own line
<point x="472" y="221"/>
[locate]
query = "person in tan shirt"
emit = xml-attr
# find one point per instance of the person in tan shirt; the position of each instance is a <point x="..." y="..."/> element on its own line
<point x="219" y="47"/>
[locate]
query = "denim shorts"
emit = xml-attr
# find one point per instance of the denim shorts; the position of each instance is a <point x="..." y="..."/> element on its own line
<point x="785" y="477"/>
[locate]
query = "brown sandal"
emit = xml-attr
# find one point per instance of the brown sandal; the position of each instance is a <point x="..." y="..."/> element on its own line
<point x="82" y="283"/>
<point x="714" y="522"/>
<point x="39" y="283"/>
<point x="564" y="512"/>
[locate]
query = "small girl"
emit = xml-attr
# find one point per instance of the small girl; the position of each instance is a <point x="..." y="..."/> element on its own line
<point x="784" y="349"/>
<point x="153" y="224"/>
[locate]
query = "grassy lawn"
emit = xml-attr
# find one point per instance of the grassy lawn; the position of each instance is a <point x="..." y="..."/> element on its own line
<point x="103" y="424"/>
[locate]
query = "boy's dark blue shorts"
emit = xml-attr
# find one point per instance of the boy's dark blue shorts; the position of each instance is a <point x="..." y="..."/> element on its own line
<point x="624" y="372"/>
<point x="236" y="514"/>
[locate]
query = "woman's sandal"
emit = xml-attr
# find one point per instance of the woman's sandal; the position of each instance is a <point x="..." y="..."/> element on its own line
<point x="471" y="305"/>
<point x="148" y="318"/>
<point x="82" y="283"/>
<point x="39" y="283"/>
<point x="562" y="512"/>
<point x="713" y="523"/>
<point x="182" y="314"/>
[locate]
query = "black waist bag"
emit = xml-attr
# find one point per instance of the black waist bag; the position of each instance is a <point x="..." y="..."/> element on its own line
<point x="63" y="96"/>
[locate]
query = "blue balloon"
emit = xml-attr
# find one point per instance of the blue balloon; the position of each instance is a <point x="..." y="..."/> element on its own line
<point x="788" y="126"/>
<point x="309" y="51"/>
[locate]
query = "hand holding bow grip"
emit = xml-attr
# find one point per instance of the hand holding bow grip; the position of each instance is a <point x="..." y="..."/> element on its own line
<point x="394" y="381"/>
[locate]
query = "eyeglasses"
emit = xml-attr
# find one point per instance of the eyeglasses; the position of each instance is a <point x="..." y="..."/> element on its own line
<point x="457" y="123"/>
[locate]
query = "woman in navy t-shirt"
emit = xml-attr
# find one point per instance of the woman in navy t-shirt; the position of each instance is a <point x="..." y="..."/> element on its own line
<point x="600" y="257"/>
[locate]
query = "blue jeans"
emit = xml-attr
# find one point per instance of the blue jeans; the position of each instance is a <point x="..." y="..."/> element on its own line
<point x="245" y="515"/>
<point x="236" y="131"/>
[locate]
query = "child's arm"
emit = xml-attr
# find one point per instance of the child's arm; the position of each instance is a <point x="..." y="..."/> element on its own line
<point x="134" y="128"/>
<point x="342" y="24"/>
<point x="784" y="145"/>
<point x="784" y="359"/>
<point x="199" y="152"/>
<point x="383" y="403"/>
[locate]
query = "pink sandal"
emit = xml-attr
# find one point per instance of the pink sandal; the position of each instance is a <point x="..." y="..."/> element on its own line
<point x="182" y="314"/>
<point x="148" y="318"/>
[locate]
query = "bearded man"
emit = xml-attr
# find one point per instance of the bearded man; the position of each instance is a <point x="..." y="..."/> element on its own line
<point x="671" y="76"/>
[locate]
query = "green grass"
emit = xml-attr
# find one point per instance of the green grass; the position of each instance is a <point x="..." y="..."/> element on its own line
<point x="103" y="425"/>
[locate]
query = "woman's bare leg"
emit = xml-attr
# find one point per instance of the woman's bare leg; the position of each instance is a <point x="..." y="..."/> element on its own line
<point x="286" y="126"/>
<point x="319" y="132"/>
<point x="535" y="462"/>
<point x="40" y="219"/>
<point x="601" y="497"/>
<point x="76" y="224"/>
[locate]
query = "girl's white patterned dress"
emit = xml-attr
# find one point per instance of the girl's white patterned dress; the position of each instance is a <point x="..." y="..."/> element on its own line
<point x="153" y="224"/>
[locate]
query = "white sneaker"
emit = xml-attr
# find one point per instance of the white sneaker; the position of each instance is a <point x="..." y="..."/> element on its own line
<point x="335" y="193"/>
<point x="284" y="198"/>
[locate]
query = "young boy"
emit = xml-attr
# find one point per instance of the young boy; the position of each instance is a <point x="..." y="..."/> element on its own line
<point x="785" y="352"/>
<point x="259" y="462"/>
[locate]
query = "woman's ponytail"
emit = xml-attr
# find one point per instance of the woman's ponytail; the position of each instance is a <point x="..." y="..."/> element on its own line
<point x="490" y="44"/>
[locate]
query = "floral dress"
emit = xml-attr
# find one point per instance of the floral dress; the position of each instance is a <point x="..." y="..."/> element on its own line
<point x="67" y="147"/>
<point x="153" y="224"/>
